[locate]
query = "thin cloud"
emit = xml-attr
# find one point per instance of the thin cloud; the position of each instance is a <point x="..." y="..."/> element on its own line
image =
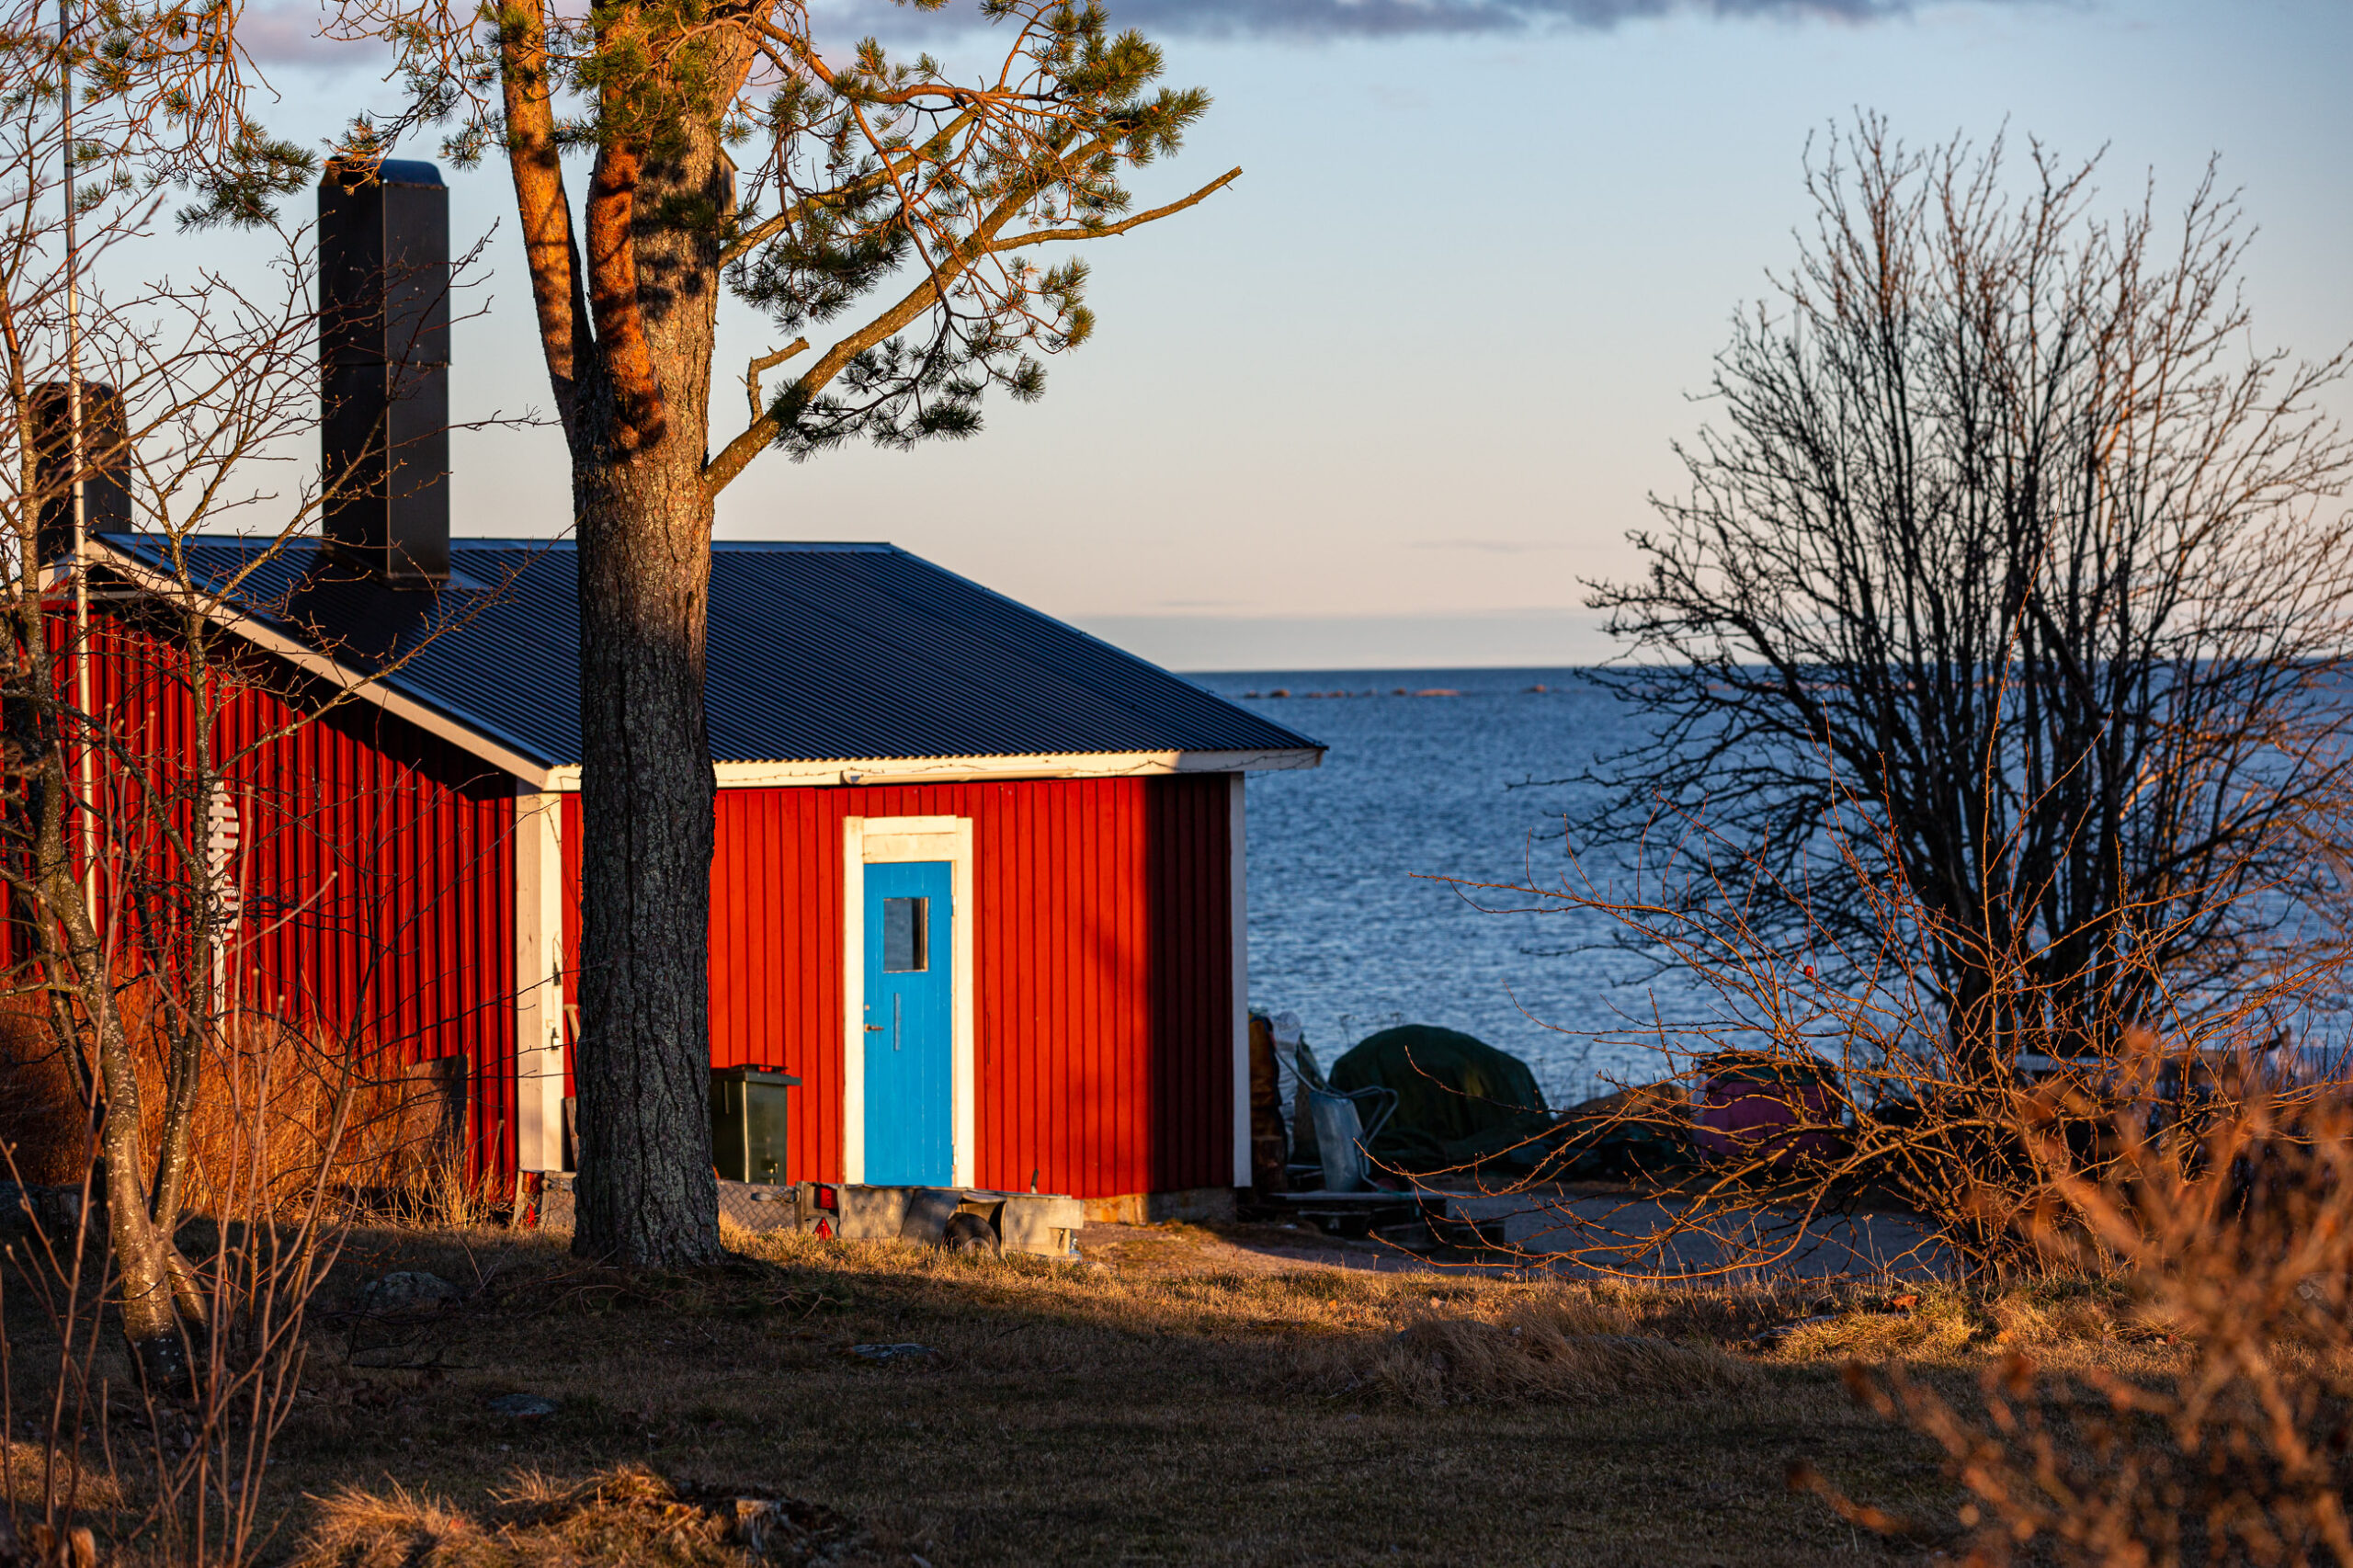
<point x="1318" y="19"/>
<point x="287" y="33"/>
<point x="1487" y="546"/>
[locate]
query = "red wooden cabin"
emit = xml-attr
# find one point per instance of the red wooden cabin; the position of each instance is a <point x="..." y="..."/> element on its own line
<point x="402" y="825"/>
<point x="408" y="861"/>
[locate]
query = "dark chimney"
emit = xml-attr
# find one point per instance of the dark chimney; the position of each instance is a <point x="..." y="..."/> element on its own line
<point x="105" y="466"/>
<point x="384" y="363"/>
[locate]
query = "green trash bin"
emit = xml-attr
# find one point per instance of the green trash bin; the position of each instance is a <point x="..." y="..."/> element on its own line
<point x="748" y="1123"/>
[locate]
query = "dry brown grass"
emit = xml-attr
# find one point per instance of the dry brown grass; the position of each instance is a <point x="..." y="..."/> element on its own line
<point x="39" y="1120"/>
<point x="1192" y="1414"/>
<point x="627" y="1514"/>
<point x="1561" y="1348"/>
<point x="393" y="1529"/>
<point x="1168" y="1413"/>
<point x="35" y="1478"/>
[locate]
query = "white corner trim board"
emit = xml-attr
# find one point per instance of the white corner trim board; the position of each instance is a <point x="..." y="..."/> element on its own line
<point x="1238" y="893"/>
<point x="539" y="989"/>
<point x="868" y="841"/>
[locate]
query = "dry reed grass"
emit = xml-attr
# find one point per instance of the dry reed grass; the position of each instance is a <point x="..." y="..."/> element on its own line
<point x="393" y="1529"/>
<point x="2235" y="1241"/>
<point x="266" y="1084"/>
<point x="627" y="1514"/>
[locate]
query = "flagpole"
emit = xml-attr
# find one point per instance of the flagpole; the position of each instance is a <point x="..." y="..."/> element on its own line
<point x="74" y="450"/>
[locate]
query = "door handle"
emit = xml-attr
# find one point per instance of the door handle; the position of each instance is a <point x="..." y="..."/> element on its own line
<point x="874" y="1028"/>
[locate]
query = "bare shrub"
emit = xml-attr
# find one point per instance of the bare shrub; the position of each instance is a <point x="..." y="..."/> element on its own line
<point x="1992" y="664"/>
<point x="2237" y="1240"/>
<point x="131" y="1073"/>
<point x="197" y="1452"/>
<point x="1978" y="1124"/>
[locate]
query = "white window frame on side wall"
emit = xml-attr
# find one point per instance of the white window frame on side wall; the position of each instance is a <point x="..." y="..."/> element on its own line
<point x="869" y="841"/>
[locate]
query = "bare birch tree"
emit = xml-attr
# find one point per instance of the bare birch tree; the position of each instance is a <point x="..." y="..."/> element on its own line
<point x="51" y="747"/>
<point x="2007" y="551"/>
<point x="198" y="411"/>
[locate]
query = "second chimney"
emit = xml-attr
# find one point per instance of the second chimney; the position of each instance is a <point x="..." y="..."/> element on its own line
<point x="106" y="465"/>
<point x="384" y="367"/>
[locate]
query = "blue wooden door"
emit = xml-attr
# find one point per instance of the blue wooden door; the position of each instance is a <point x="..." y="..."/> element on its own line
<point x="910" y="1024"/>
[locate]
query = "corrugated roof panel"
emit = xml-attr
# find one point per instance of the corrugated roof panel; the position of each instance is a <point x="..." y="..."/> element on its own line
<point x="816" y="652"/>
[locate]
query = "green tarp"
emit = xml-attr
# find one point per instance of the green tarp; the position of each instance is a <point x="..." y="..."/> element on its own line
<point x="1466" y="1107"/>
<point x="1459" y="1100"/>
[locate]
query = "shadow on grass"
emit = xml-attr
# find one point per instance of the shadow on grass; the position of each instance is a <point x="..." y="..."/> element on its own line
<point x="1053" y="1414"/>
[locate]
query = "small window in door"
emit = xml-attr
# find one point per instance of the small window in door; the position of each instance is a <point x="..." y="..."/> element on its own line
<point x="906" y="934"/>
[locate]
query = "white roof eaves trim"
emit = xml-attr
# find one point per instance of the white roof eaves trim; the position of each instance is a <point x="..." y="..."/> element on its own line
<point x="820" y="773"/>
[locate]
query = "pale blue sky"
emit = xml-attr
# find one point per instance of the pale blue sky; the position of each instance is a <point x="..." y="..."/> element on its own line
<point x="1383" y="401"/>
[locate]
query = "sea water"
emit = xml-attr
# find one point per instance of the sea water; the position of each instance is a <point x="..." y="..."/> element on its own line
<point x="1404" y="880"/>
<point x="1401" y="881"/>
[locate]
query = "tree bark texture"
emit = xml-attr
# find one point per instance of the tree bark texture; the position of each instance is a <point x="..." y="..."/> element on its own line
<point x="76" y="959"/>
<point x="646" y="1193"/>
<point x="143" y="1263"/>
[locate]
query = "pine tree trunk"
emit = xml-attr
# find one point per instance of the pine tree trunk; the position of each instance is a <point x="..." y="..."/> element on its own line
<point x="646" y="1193"/>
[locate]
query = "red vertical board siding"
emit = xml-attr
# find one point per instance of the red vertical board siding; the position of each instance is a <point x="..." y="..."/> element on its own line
<point x="375" y="863"/>
<point x="1103" y="1051"/>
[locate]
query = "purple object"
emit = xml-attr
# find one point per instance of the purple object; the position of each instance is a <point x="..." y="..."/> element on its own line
<point x="1751" y="1107"/>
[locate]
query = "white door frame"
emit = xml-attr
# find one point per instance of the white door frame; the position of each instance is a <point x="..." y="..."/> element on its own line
<point x="868" y="841"/>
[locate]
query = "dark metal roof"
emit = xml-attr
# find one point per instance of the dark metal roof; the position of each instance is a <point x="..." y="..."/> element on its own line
<point x="817" y="652"/>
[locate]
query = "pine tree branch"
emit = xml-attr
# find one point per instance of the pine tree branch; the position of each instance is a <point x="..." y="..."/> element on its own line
<point x="549" y="254"/>
<point x="764" y="363"/>
<point x="769" y="228"/>
<point x="805" y="54"/>
<point x="732" y="459"/>
<point x="1043" y="236"/>
<point x="737" y="454"/>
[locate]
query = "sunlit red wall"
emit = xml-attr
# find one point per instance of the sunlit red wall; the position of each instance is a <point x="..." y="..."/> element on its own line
<point x="375" y="862"/>
<point x="1103" y="1048"/>
<point x="378" y="872"/>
